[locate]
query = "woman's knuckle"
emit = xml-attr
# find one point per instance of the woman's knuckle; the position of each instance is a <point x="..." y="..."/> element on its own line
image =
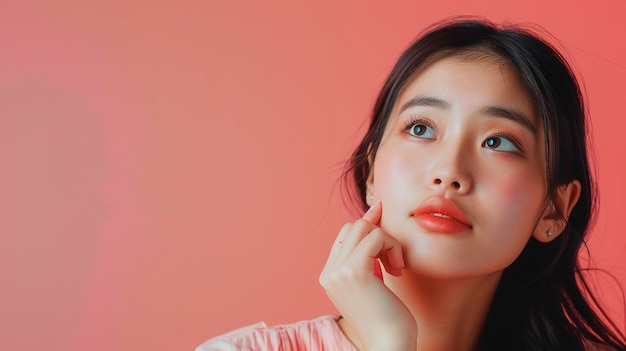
<point x="323" y="280"/>
<point x="347" y="273"/>
<point x="373" y="236"/>
<point x="362" y="226"/>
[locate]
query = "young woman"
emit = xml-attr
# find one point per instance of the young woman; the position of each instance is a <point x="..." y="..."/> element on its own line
<point x="478" y="197"/>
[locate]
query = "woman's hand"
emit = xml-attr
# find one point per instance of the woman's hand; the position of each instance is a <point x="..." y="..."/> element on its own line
<point x="378" y="319"/>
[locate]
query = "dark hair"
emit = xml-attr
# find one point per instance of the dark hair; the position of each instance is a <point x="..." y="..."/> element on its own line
<point x="543" y="301"/>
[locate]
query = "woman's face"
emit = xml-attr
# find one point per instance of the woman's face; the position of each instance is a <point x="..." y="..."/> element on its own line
<point x="460" y="171"/>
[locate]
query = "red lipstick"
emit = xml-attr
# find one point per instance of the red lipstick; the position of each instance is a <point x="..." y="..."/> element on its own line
<point x="441" y="215"/>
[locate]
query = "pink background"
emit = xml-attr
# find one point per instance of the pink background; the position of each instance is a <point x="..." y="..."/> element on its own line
<point x="168" y="170"/>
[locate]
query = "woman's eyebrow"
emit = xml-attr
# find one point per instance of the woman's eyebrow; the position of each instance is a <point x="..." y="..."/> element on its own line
<point x="515" y="116"/>
<point x="425" y="100"/>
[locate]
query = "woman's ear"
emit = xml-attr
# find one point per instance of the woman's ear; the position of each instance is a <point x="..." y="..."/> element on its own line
<point x="557" y="211"/>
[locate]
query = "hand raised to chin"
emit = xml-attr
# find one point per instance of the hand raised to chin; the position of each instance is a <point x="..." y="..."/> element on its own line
<point x="374" y="318"/>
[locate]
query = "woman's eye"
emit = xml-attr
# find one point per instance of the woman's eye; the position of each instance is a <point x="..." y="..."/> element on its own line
<point x="421" y="130"/>
<point x="500" y="143"/>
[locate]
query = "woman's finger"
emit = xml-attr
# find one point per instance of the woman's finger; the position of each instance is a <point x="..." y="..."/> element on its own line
<point x="379" y="245"/>
<point x="391" y="261"/>
<point x="336" y="248"/>
<point x="360" y="228"/>
<point x="374" y="213"/>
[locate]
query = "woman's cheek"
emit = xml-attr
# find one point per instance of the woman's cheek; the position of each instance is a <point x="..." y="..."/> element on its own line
<point x="521" y="197"/>
<point x="399" y="185"/>
<point x="396" y="175"/>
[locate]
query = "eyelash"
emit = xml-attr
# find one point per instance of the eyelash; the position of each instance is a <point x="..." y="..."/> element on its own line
<point x="417" y="120"/>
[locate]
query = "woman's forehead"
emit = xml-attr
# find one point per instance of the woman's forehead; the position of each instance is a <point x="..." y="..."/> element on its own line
<point x="471" y="79"/>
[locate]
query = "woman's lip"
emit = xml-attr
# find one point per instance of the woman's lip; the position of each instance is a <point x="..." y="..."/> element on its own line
<point x="441" y="215"/>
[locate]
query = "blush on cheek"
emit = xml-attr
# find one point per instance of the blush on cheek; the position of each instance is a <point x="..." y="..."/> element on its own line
<point x="525" y="196"/>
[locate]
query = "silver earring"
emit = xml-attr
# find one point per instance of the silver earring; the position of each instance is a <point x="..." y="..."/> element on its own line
<point x="549" y="233"/>
<point x="372" y="197"/>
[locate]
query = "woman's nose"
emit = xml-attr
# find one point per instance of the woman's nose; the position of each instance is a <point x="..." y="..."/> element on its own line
<point x="454" y="184"/>
<point x="452" y="173"/>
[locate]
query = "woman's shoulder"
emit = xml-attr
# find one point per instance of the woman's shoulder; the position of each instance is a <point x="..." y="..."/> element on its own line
<point x="322" y="333"/>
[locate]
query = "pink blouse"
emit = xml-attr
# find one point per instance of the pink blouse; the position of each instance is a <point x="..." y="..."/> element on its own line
<point x="319" y="334"/>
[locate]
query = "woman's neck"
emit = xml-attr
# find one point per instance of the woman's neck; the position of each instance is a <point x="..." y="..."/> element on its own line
<point x="449" y="313"/>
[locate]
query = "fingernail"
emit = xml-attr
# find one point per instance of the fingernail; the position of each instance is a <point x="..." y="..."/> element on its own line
<point x="370" y="215"/>
<point x="373" y="207"/>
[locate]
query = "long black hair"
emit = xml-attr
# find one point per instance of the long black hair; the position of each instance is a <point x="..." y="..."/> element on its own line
<point x="543" y="301"/>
